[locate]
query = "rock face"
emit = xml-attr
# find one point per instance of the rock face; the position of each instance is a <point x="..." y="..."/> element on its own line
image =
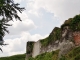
<point x="76" y="36"/>
<point x="62" y="39"/>
<point x="64" y="44"/>
<point x="65" y="47"/>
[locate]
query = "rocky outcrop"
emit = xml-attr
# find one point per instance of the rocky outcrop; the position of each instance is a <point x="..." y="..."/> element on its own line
<point x="76" y="36"/>
<point x="62" y="39"/>
<point x="64" y="45"/>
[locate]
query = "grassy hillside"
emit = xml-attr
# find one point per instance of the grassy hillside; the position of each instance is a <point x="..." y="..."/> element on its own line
<point x="15" y="57"/>
<point x="47" y="56"/>
<point x="74" y="54"/>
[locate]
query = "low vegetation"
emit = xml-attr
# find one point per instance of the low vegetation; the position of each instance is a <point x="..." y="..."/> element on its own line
<point x="15" y="57"/>
<point x="73" y="23"/>
<point x="55" y="35"/>
<point x="46" y="56"/>
<point x="74" y="54"/>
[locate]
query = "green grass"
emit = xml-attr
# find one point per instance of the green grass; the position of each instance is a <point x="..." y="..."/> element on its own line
<point x="15" y="57"/>
<point x="46" y="56"/>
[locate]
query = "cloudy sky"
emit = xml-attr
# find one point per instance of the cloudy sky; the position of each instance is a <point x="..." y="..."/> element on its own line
<point x="39" y="19"/>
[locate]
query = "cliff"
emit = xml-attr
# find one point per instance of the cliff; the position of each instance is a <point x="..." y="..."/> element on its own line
<point x="63" y="39"/>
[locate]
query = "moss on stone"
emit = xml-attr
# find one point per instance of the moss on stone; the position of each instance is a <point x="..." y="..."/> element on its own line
<point x="30" y="47"/>
<point x="55" y="35"/>
<point x="47" y="56"/>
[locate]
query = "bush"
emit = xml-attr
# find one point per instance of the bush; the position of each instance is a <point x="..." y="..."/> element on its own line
<point x="77" y="57"/>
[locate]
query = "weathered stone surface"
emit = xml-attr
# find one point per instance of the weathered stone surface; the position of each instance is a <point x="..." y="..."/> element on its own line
<point x="65" y="44"/>
<point x="36" y="49"/>
<point x="65" y="47"/>
<point x="76" y="36"/>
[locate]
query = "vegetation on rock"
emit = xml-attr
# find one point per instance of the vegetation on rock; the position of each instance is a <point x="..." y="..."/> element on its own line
<point x="74" y="54"/>
<point x="73" y="25"/>
<point x="30" y="47"/>
<point x="47" y="56"/>
<point x="55" y="35"/>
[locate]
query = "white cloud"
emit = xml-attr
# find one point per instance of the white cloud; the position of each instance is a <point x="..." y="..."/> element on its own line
<point x="19" y="26"/>
<point x="18" y="45"/>
<point x="63" y="9"/>
<point x="18" y="1"/>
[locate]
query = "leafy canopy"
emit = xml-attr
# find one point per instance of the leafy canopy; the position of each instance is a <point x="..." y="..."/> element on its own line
<point x="8" y="10"/>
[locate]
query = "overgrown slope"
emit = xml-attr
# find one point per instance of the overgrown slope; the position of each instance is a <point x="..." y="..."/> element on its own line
<point x="72" y="23"/>
<point x="65" y="39"/>
<point x="74" y="54"/>
<point x="15" y="57"/>
<point x="47" y="56"/>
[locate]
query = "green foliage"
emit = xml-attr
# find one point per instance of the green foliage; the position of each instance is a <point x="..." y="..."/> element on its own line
<point x="55" y="35"/>
<point x="74" y="54"/>
<point x="15" y="57"/>
<point x="29" y="47"/>
<point x="8" y="11"/>
<point x="45" y="41"/>
<point x="63" y="58"/>
<point x="77" y="57"/>
<point x="73" y="23"/>
<point x="66" y="23"/>
<point x="46" y="56"/>
<point x="3" y="27"/>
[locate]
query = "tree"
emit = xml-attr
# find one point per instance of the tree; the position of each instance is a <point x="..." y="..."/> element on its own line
<point x="8" y="11"/>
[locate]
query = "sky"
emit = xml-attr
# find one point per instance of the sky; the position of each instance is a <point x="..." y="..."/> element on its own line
<point x="38" y="20"/>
